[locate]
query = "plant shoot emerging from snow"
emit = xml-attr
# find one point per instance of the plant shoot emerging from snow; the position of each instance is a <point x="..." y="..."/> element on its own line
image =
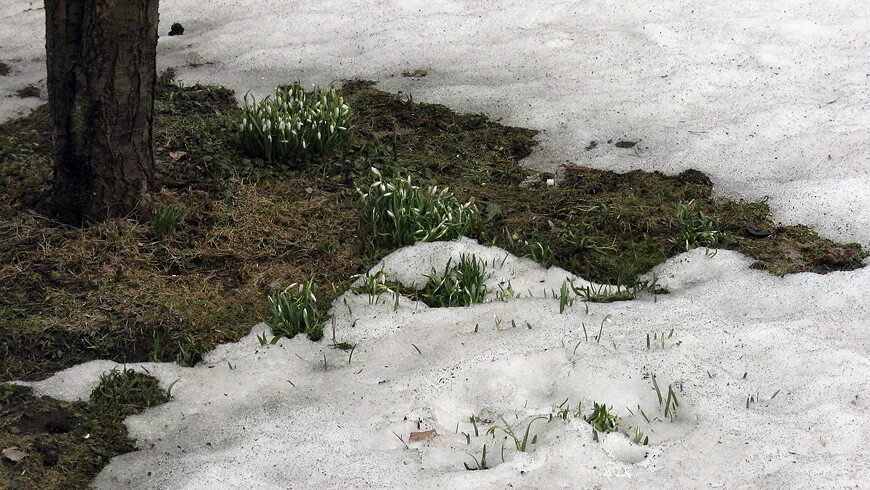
<point x="461" y="284"/>
<point x="128" y="391"/>
<point x="294" y="311"/>
<point x="374" y="285"/>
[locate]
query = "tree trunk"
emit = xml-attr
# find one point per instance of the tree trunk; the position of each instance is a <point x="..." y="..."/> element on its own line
<point x="102" y="71"/>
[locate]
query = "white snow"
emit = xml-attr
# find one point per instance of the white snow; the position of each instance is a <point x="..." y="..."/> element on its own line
<point x="277" y="416"/>
<point x="756" y="94"/>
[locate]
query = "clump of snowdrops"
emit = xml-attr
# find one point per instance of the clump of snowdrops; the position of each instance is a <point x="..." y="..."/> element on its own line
<point x="399" y="213"/>
<point x="294" y="126"/>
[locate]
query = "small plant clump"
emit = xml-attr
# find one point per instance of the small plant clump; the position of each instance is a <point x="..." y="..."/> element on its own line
<point x="601" y="420"/>
<point x="374" y="285"/>
<point x="462" y="284"/>
<point x="165" y="220"/>
<point x="661" y="340"/>
<point x="698" y="228"/>
<point x="399" y="213"/>
<point x="521" y="443"/>
<point x="128" y="391"/>
<point x="295" y="126"/>
<point x="294" y="311"/>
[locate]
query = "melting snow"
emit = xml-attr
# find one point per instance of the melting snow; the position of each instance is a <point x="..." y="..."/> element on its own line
<point x="305" y="414"/>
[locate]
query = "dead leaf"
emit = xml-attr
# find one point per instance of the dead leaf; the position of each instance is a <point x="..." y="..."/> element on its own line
<point x="177" y="155"/>
<point x="13" y="454"/>
<point x="421" y="436"/>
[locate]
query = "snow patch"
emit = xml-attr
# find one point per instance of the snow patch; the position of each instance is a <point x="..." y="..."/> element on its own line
<point x="298" y="412"/>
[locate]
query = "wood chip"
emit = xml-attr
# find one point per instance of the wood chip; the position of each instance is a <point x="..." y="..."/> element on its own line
<point x="421" y="436"/>
<point x="177" y="155"/>
<point x="13" y="454"/>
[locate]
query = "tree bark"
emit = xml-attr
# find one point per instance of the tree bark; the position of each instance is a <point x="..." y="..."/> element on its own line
<point x="102" y="72"/>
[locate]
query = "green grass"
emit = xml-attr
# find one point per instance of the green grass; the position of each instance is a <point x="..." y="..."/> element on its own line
<point x="397" y="213"/>
<point x="165" y="220"/>
<point x="461" y="284"/>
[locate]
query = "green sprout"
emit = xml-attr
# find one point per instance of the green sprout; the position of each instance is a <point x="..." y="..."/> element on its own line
<point x="479" y="464"/>
<point x="520" y="443"/>
<point x="670" y="403"/>
<point x="601" y="420"/>
<point x="564" y="298"/>
<point x="374" y="285"/>
<point x="165" y="220"/>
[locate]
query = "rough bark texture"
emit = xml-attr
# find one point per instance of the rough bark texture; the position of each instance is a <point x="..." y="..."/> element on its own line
<point x="101" y="57"/>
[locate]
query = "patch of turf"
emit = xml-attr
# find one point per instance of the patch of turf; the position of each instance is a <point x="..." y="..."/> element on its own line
<point x="610" y="227"/>
<point x="127" y="391"/>
<point x="117" y="291"/>
<point x="64" y="444"/>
